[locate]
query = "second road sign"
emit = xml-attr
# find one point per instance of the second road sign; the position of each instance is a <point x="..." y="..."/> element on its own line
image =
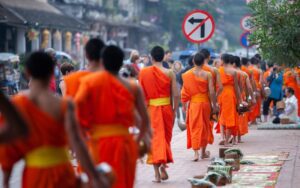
<point x="198" y="26"/>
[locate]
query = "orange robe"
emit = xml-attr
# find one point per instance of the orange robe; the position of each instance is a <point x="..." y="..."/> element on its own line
<point x="157" y="86"/>
<point x="51" y="168"/>
<point x="72" y="82"/>
<point x="195" y="91"/>
<point x="214" y="78"/>
<point x="111" y="112"/>
<point x="228" y="102"/>
<point x="291" y="81"/>
<point x="243" y="118"/>
<point x="256" y="109"/>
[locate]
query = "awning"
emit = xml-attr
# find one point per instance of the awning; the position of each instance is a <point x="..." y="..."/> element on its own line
<point x="38" y="14"/>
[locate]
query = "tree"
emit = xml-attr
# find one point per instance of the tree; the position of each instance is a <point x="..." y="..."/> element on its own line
<point x="277" y="30"/>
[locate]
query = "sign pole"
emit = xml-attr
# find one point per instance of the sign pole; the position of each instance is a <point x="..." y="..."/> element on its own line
<point x="198" y="46"/>
<point x="248" y="53"/>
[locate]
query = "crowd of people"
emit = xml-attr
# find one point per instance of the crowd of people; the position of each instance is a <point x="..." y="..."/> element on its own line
<point x="100" y="105"/>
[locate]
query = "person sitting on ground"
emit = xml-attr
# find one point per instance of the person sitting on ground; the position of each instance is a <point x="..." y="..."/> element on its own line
<point x="66" y="68"/>
<point x="291" y="106"/>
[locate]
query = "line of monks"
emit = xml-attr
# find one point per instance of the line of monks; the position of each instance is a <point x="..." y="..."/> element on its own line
<point x="94" y="116"/>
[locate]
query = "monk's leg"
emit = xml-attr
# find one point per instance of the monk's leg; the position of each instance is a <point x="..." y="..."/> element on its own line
<point x="240" y="139"/>
<point x="205" y="154"/>
<point x="6" y="178"/>
<point x="234" y="140"/>
<point x="156" y="173"/>
<point x="163" y="172"/>
<point x="196" y="155"/>
<point x="227" y="137"/>
<point x="222" y="130"/>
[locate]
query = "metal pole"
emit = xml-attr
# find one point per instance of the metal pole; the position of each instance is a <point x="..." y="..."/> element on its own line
<point x="247" y="52"/>
<point x="198" y="46"/>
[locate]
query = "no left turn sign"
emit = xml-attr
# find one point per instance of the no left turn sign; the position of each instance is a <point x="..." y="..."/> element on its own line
<point x="198" y="26"/>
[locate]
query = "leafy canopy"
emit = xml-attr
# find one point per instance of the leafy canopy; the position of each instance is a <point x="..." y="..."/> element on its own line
<point x="277" y="30"/>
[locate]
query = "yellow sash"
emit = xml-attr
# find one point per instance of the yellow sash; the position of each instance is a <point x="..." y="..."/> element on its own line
<point x="201" y="97"/>
<point x="47" y="156"/>
<point x="160" y="101"/>
<point x="100" y="131"/>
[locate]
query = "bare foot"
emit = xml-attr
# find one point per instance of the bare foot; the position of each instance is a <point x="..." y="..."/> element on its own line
<point x="206" y="155"/>
<point x="164" y="174"/>
<point x="157" y="179"/>
<point x="228" y="145"/>
<point x="196" y="157"/>
<point x="222" y="142"/>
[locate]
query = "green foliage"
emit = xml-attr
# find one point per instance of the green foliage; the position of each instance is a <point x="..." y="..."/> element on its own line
<point x="277" y="30"/>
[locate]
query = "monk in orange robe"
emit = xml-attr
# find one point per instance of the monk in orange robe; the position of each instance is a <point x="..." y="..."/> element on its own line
<point x="198" y="92"/>
<point x="218" y="87"/>
<point x="229" y="98"/>
<point x="92" y="51"/>
<point x="72" y="81"/>
<point x="290" y="80"/>
<point x="258" y="80"/>
<point x="159" y="85"/>
<point x="112" y="101"/>
<point x="245" y="92"/>
<point x="44" y="149"/>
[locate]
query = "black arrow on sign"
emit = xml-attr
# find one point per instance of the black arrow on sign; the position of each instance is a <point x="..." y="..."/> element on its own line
<point x="193" y="20"/>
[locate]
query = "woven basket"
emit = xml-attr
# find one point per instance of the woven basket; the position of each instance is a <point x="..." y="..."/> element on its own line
<point x="236" y="163"/>
<point x="284" y="121"/>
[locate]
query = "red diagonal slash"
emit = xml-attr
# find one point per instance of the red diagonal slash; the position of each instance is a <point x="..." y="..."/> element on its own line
<point x="198" y="26"/>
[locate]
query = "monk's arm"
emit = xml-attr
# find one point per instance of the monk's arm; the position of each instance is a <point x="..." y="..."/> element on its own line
<point x="219" y="82"/>
<point x="62" y="86"/>
<point x="250" y="90"/>
<point x="145" y="130"/>
<point x="175" y="93"/>
<point x="236" y="87"/>
<point x="212" y="94"/>
<point x="15" y="124"/>
<point x="185" y="96"/>
<point x="78" y="145"/>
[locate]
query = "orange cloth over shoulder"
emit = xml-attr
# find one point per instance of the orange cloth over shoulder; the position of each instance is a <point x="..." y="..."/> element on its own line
<point x="156" y="85"/>
<point x="111" y="112"/>
<point x="45" y="132"/>
<point x="227" y="101"/>
<point x="195" y="90"/>
<point x="72" y="82"/>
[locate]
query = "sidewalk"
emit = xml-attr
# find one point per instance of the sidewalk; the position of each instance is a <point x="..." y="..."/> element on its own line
<point x="257" y="141"/>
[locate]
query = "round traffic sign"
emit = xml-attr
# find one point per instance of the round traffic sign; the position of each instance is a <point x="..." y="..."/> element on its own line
<point x="246" y="23"/>
<point x="198" y="26"/>
<point x="244" y="40"/>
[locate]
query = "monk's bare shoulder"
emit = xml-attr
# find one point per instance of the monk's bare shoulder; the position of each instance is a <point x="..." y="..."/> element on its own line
<point x="208" y="75"/>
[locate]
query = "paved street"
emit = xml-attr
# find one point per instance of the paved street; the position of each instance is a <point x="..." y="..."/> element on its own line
<point x="257" y="141"/>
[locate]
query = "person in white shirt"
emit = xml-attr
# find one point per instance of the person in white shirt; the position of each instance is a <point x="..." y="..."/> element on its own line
<point x="291" y="105"/>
